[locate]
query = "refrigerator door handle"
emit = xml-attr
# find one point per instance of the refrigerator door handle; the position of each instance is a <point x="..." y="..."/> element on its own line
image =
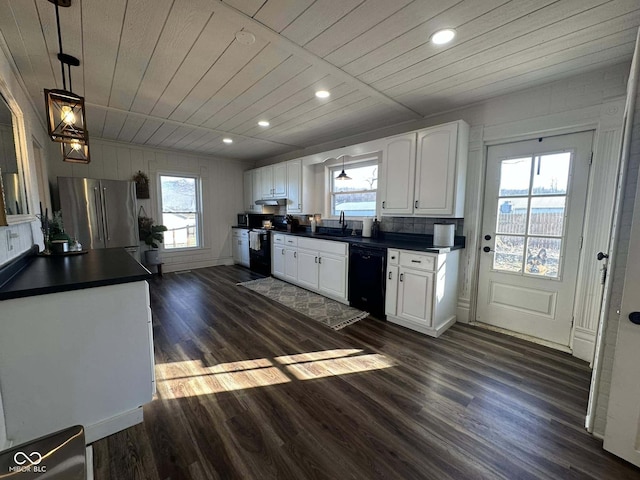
<point x="104" y="209"/>
<point x="96" y="194"/>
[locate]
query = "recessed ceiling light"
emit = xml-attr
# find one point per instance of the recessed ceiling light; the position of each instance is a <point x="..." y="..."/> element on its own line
<point x="443" y="36"/>
<point x="245" y="38"/>
<point x="263" y="123"/>
<point x="322" y="94"/>
<point x="227" y="140"/>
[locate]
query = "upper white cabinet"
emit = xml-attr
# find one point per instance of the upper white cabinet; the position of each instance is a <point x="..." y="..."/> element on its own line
<point x="251" y="186"/>
<point x="425" y="172"/>
<point x="399" y="164"/>
<point x="273" y="180"/>
<point x="294" y="186"/>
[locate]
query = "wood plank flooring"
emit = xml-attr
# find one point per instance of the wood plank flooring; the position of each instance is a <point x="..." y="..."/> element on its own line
<point x="248" y="389"/>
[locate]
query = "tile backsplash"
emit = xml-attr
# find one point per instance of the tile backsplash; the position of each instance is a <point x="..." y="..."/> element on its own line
<point x="418" y="225"/>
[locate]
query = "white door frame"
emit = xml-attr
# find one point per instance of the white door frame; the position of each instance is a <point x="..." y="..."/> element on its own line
<point x="606" y="122"/>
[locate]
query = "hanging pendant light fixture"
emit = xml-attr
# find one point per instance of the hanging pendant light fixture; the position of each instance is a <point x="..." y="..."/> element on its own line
<point x="343" y="175"/>
<point x="66" y="119"/>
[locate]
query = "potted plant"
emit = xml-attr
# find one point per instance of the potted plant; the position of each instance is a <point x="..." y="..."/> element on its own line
<point x="152" y="235"/>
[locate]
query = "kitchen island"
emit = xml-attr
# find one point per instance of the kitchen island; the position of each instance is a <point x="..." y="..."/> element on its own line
<point x="76" y="344"/>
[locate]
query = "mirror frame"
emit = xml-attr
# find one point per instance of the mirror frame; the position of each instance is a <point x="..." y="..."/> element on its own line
<point x="19" y="138"/>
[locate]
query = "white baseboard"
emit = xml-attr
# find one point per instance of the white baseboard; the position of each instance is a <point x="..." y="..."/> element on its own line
<point x="433" y="332"/>
<point x="112" y="425"/>
<point x="463" y="311"/>
<point x="584" y="344"/>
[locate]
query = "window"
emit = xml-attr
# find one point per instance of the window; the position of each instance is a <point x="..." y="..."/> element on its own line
<point x="180" y="206"/>
<point x="355" y="197"/>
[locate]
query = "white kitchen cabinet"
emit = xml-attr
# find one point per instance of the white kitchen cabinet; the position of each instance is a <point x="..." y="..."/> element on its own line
<point x="273" y="180"/>
<point x="425" y="172"/>
<point x="441" y="170"/>
<point x="399" y="163"/>
<point x="308" y="267"/>
<point x="332" y="275"/>
<point x="422" y="290"/>
<point x="240" y="246"/>
<point x="294" y="186"/>
<point x="250" y="191"/>
<point x="318" y="265"/>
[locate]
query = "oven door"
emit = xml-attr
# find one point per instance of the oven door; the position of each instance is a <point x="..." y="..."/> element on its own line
<point x="260" y="254"/>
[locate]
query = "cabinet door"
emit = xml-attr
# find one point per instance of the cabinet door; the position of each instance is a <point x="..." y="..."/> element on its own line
<point x="248" y="191"/>
<point x="279" y="180"/>
<point x="236" y="249"/>
<point x="391" y="297"/>
<point x="244" y="251"/>
<point x="291" y="264"/>
<point x="277" y="265"/>
<point x="308" y="268"/>
<point x="332" y="275"/>
<point x="399" y="163"/>
<point x="266" y="182"/>
<point x="415" y="296"/>
<point x="294" y="186"/>
<point x="436" y="171"/>
<point x="256" y="177"/>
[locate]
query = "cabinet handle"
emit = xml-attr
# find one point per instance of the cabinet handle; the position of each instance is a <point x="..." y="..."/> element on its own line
<point x="390" y="274"/>
<point x="416" y="261"/>
<point x="239" y="242"/>
<point x="383" y="203"/>
<point x="319" y="259"/>
<point x="283" y="251"/>
<point x="416" y="204"/>
<point x="295" y="254"/>
<point x="366" y="257"/>
<point x="401" y="276"/>
<point x="316" y="259"/>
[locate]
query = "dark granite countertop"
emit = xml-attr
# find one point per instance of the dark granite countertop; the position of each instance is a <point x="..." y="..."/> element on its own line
<point x="402" y="241"/>
<point x="39" y="275"/>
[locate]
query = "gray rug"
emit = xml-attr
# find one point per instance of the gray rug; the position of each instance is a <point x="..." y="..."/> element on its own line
<point x="321" y="309"/>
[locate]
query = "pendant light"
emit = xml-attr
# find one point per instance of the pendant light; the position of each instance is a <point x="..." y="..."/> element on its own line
<point x="66" y="120"/>
<point x="343" y="175"/>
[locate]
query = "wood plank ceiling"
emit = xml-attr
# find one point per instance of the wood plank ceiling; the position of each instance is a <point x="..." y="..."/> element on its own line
<point x="171" y="73"/>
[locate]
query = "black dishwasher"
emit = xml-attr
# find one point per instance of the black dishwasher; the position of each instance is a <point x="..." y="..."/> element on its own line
<point x="367" y="285"/>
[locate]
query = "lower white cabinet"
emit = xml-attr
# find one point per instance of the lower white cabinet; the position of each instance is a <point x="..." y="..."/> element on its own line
<point x="318" y="265"/>
<point x="240" y="246"/>
<point x="422" y="290"/>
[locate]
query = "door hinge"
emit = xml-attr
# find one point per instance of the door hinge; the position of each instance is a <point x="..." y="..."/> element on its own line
<point x="591" y="159"/>
<point x="581" y="242"/>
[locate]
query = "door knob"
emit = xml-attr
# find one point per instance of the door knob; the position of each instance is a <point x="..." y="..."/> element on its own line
<point x="487" y="237"/>
<point x="635" y="317"/>
<point x="602" y="255"/>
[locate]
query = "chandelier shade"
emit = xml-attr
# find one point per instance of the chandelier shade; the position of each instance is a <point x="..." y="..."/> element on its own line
<point x="65" y="116"/>
<point x="76" y="151"/>
<point x="343" y="175"/>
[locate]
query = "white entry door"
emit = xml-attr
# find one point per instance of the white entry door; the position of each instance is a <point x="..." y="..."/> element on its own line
<point x="622" y="434"/>
<point x="532" y="234"/>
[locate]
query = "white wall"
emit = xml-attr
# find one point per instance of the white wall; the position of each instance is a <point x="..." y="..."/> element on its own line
<point x="222" y="184"/>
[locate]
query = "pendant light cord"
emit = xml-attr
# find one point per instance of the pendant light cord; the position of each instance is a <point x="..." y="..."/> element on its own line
<point x="64" y="81"/>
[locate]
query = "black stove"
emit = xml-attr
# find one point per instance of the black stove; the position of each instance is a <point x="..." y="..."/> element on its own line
<point x="260" y="251"/>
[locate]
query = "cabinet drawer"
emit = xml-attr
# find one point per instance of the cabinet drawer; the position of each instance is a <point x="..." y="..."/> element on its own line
<point x="417" y="261"/>
<point x="239" y="233"/>
<point x="324" y="246"/>
<point x="290" y="240"/>
<point x="278" y="239"/>
<point x="393" y="257"/>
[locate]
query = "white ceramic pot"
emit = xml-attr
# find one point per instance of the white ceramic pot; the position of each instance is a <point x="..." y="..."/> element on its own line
<point x="152" y="257"/>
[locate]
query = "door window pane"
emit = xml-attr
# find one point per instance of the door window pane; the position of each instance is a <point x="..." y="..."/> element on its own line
<point x="543" y="256"/>
<point x="509" y="253"/>
<point x="551" y="174"/>
<point x="547" y="215"/>
<point x="512" y="215"/>
<point x="515" y="176"/>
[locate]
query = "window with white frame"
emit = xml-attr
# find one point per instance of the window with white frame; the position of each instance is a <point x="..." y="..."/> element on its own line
<point x="180" y="207"/>
<point x="355" y="197"/>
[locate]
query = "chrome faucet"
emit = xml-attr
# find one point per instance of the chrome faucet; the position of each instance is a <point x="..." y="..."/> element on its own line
<point x="342" y="221"/>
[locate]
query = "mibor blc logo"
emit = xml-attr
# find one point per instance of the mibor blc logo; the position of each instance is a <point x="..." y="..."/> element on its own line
<point x="28" y="463"/>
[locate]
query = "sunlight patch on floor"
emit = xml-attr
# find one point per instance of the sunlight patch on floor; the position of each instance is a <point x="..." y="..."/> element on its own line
<point x="190" y="378"/>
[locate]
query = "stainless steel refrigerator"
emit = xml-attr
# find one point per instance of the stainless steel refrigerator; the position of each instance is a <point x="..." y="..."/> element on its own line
<point x="99" y="213"/>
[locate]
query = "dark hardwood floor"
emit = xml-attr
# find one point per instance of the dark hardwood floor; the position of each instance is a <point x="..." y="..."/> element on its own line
<point x="249" y="389"/>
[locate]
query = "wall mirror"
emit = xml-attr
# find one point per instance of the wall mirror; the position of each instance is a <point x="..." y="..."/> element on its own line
<point x="12" y="180"/>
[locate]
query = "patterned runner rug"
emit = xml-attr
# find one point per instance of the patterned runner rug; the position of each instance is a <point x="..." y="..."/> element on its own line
<point x="321" y="309"/>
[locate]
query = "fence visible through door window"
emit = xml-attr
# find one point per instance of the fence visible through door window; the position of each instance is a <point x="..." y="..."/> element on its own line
<point x="531" y="217"/>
